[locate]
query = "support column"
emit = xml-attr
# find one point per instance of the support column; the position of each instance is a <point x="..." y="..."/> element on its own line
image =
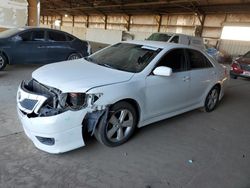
<point x="34" y="12"/>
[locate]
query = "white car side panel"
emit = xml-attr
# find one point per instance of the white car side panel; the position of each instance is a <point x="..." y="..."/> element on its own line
<point x="166" y="94"/>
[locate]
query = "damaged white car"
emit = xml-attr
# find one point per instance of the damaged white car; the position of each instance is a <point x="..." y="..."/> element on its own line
<point x="112" y="92"/>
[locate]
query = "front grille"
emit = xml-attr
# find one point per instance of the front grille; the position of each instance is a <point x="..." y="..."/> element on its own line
<point x="245" y="67"/>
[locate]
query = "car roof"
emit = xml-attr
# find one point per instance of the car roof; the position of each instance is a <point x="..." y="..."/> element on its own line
<point x="159" y="44"/>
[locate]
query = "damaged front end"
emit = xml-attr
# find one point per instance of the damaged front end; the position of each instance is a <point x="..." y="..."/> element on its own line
<point x="47" y="113"/>
<point x="38" y="100"/>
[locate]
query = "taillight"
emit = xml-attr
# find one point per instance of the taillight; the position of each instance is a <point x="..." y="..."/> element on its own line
<point x="236" y="67"/>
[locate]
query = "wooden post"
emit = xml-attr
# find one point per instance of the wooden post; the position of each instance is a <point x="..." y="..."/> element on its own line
<point x="73" y="21"/>
<point x="159" y="20"/>
<point x="128" y="22"/>
<point x="87" y="21"/>
<point x="105" y="22"/>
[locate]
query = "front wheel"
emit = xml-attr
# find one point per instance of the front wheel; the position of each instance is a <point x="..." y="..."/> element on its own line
<point x="74" y="56"/>
<point x="3" y="61"/>
<point x="212" y="99"/>
<point x="119" y="127"/>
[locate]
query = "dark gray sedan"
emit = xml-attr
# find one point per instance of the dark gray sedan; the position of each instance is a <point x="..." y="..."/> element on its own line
<point x="39" y="46"/>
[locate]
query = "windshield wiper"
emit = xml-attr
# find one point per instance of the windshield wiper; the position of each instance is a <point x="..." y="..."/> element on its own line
<point x="107" y="65"/>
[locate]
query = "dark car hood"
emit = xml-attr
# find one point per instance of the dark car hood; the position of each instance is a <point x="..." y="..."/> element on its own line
<point x="243" y="60"/>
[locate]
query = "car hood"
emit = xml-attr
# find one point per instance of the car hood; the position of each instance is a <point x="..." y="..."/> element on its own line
<point x="78" y="75"/>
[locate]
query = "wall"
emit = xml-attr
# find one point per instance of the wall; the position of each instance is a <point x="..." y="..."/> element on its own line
<point x="141" y="26"/>
<point x="234" y="47"/>
<point x="13" y="13"/>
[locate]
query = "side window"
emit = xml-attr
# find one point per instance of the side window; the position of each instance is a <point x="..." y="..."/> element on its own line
<point x="174" y="59"/>
<point x="38" y="36"/>
<point x="56" y="36"/>
<point x="26" y="36"/>
<point x="175" y="39"/>
<point x="70" y="38"/>
<point x="197" y="60"/>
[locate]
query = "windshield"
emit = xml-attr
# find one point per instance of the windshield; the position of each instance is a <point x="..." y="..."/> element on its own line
<point x="247" y="55"/>
<point x="9" y="32"/>
<point x="126" y="57"/>
<point x="159" y="37"/>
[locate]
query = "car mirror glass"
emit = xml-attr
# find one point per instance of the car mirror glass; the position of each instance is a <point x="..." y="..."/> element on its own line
<point x="162" y="71"/>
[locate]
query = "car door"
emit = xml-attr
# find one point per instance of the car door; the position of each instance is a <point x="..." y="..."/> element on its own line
<point x="168" y="94"/>
<point x="202" y="75"/>
<point x="59" y="48"/>
<point x="30" y="47"/>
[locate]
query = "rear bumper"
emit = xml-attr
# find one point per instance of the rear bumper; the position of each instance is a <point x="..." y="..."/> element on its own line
<point x="65" y="129"/>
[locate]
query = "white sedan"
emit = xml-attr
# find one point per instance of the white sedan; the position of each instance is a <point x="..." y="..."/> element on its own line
<point x="112" y="92"/>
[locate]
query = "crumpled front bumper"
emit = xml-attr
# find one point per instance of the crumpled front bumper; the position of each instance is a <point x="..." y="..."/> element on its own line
<point x="53" y="134"/>
<point x="65" y="129"/>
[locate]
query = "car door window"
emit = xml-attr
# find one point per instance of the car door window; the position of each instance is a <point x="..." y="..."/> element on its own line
<point x="26" y="36"/>
<point x="38" y="36"/>
<point x="174" y="59"/>
<point x="197" y="60"/>
<point x="56" y="36"/>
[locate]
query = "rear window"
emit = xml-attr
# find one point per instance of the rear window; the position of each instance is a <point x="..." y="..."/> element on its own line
<point x="247" y="55"/>
<point x="159" y="37"/>
<point x="56" y="36"/>
<point x="197" y="60"/>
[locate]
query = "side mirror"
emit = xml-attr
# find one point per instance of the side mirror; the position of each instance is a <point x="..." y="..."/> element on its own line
<point x="162" y="71"/>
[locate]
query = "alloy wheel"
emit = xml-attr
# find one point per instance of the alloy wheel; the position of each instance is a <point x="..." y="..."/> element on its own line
<point x="119" y="125"/>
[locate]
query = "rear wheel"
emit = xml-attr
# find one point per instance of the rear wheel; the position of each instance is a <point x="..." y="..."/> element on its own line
<point x="74" y="56"/>
<point x="119" y="127"/>
<point x="3" y="61"/>
<point x="212" y="99"/>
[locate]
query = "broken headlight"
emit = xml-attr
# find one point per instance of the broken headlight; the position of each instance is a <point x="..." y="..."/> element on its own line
<point x="76" y="100"/>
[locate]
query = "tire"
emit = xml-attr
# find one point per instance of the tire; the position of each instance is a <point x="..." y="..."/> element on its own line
<point x="119" y="127"/>
<point x="74" y="56"/>
<point x="3" y="61"/>
<point x="212" y="99"/>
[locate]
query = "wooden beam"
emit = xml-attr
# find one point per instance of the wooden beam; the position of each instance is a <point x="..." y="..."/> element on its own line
<point x="128" y="22"/>
<point x="73" y="21"/>
<point x="105" y="21"/>
<point x="87" y="21"/>
<point x="159" y="21"/>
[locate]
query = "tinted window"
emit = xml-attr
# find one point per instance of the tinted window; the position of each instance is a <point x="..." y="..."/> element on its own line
<point x="174" y="59"/>
<point x="56" y="36"/>
<point x="175" y="39"/>
<point x="38" y="36"/>
<point x="26" y="36"/>
<point x="247" y="55"/>
<point x="70" y="38"/>
<point x="159" y="37"/>
<point x="197" y="60"/>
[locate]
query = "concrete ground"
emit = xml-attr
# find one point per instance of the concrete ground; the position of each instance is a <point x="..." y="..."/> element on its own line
<point x="195" y="149"/>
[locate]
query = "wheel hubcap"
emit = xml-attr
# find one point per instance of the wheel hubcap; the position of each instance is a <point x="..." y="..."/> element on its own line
<point x="1" y="61"/>
<point x="119" y="125"/>
<point x="212" y="99"/>
<point x="74" y="57"/>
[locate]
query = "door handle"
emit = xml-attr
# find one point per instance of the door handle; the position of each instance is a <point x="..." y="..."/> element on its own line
<point x="186" y="78"/>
